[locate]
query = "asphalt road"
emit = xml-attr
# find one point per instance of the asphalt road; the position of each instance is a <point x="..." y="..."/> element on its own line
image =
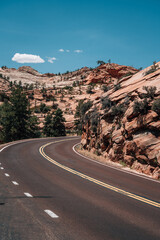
<point x="51" y="193"/>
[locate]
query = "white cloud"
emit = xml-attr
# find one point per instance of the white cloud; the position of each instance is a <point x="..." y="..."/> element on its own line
<point x="27" y="58"/>
<point x="78" y="51"/>
<point x="51" y="59"/>
<point x="61" y="50"/>
<point x="67" y="50"/>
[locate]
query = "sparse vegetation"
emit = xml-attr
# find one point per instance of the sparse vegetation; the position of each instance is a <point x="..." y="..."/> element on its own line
<point x="156" y="106"/>
<point x="106" y="103"/>
<point x="105" y="88"/>
<point x="3" y="97"/>
<point x="117" y="86"/>
<point x="89" y="89"/>
<point x="118" y="110"/>
<point x="94" y="119"/>
<point x="150" y="92"/>
<point x="153" y="68"/>
<point x="140" y="107"/>
<point x="44" y="108"/>
<point x="81" y="109"/>
<point x="4" y="67"/>
<point x="100" y="62"/>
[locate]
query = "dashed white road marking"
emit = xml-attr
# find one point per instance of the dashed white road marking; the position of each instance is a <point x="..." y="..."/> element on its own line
<point x="28" y="194"/>
<point x="6" y="174"/>
<point x="2" y="168"/>
<point x="51" y="214"/>
<point x="15" y="183"/>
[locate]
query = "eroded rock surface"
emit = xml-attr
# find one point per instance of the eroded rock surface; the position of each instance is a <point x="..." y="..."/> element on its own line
<point x="128" y="132"/>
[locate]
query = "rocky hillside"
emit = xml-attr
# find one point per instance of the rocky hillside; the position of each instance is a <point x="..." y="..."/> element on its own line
<point x="124" y="124"/>
<point x="28" y="75"/>
<point x="101" y="74"/>
<point x="60" y="90"/>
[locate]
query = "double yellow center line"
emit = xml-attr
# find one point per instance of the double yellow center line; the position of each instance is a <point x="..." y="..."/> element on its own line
<point x="102" y="184"/>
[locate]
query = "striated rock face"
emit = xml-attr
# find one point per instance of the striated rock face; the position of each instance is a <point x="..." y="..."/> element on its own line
<point x="128" y="131"/>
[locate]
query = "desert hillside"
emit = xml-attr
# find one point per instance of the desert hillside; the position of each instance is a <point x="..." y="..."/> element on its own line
<point x="124" y="124"/>
<point x="61" y="90"/>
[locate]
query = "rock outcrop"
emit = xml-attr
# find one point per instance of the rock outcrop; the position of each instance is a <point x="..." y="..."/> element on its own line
<point x="109" y="72"/>
<point x="28" y="69"/>
<point x="128" y="127"/>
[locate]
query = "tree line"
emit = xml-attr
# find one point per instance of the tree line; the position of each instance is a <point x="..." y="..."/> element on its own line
<point x="17" y="120"/>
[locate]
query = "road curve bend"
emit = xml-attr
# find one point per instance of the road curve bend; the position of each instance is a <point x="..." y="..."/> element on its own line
<point x="50" y="192"/>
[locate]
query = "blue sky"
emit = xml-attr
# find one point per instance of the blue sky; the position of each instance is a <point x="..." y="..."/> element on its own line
<point x="125" y="31"/>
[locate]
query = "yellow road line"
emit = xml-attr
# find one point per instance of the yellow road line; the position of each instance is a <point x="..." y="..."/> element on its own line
<point x="102" y="184"/>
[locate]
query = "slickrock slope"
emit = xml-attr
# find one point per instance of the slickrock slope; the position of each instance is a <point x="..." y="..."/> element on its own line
<point x="127" y="123"/>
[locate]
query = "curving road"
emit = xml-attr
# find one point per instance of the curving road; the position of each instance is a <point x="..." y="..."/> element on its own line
<point x="48" y="192"/>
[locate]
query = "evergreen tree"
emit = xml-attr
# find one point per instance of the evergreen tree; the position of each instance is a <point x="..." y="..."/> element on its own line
<point x="100" y="62"/>
<point x="58" y="124"/>
<point x="80" y="115"/>
<point x="48" y="126"/>
<point x="54" y="125"/>
<point x="16" y="119"/>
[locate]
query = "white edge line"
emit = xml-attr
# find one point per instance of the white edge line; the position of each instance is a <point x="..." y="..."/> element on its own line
<point x="28" y="194"/>
<point x="15" y="183"/>
<point x="118" y="169"/>
<point x="2" y="168"/>
<point x="51" y="214"/>
<point x="6" y="174"/>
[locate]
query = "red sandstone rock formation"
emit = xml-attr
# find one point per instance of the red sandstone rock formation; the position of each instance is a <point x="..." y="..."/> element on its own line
<point x="130" y="136"/>
<point x="109" y="72"/>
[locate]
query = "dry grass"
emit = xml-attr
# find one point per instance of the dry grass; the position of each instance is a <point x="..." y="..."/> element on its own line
<point x="93" y="156"/>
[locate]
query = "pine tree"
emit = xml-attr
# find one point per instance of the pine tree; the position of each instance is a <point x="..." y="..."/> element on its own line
<point x="54" y="125"/>
<point x="48" y="126"/>
<point x="16" y="119"/>
<point x="58" y="124"/>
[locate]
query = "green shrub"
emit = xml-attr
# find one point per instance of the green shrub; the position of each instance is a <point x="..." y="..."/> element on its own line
<point x="89" y="89"/>
<point x="74" y="84"/>
<point x="100" y="62"/>
<point x="31" y="96"/>
<point x="68" y="87"/>
<point x="44" y="108"/>
<point x="82" y="108"/>
<point x="118" y="110"/>
<point x="3" y="96"/>
<point x="54" y="105"/>
<point x="37" y="110"/>
<point x="156" y="106"/>
<point x="106" y="103"/>
<point x="153" y="68"/>
<point x="117" y="86"/>
<point x="150" y="92"/>
<point x="94" y="118"/>
<point x="105" y="88"/>
<point x="140" y="107"/>
<point x="86" y="106"/>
